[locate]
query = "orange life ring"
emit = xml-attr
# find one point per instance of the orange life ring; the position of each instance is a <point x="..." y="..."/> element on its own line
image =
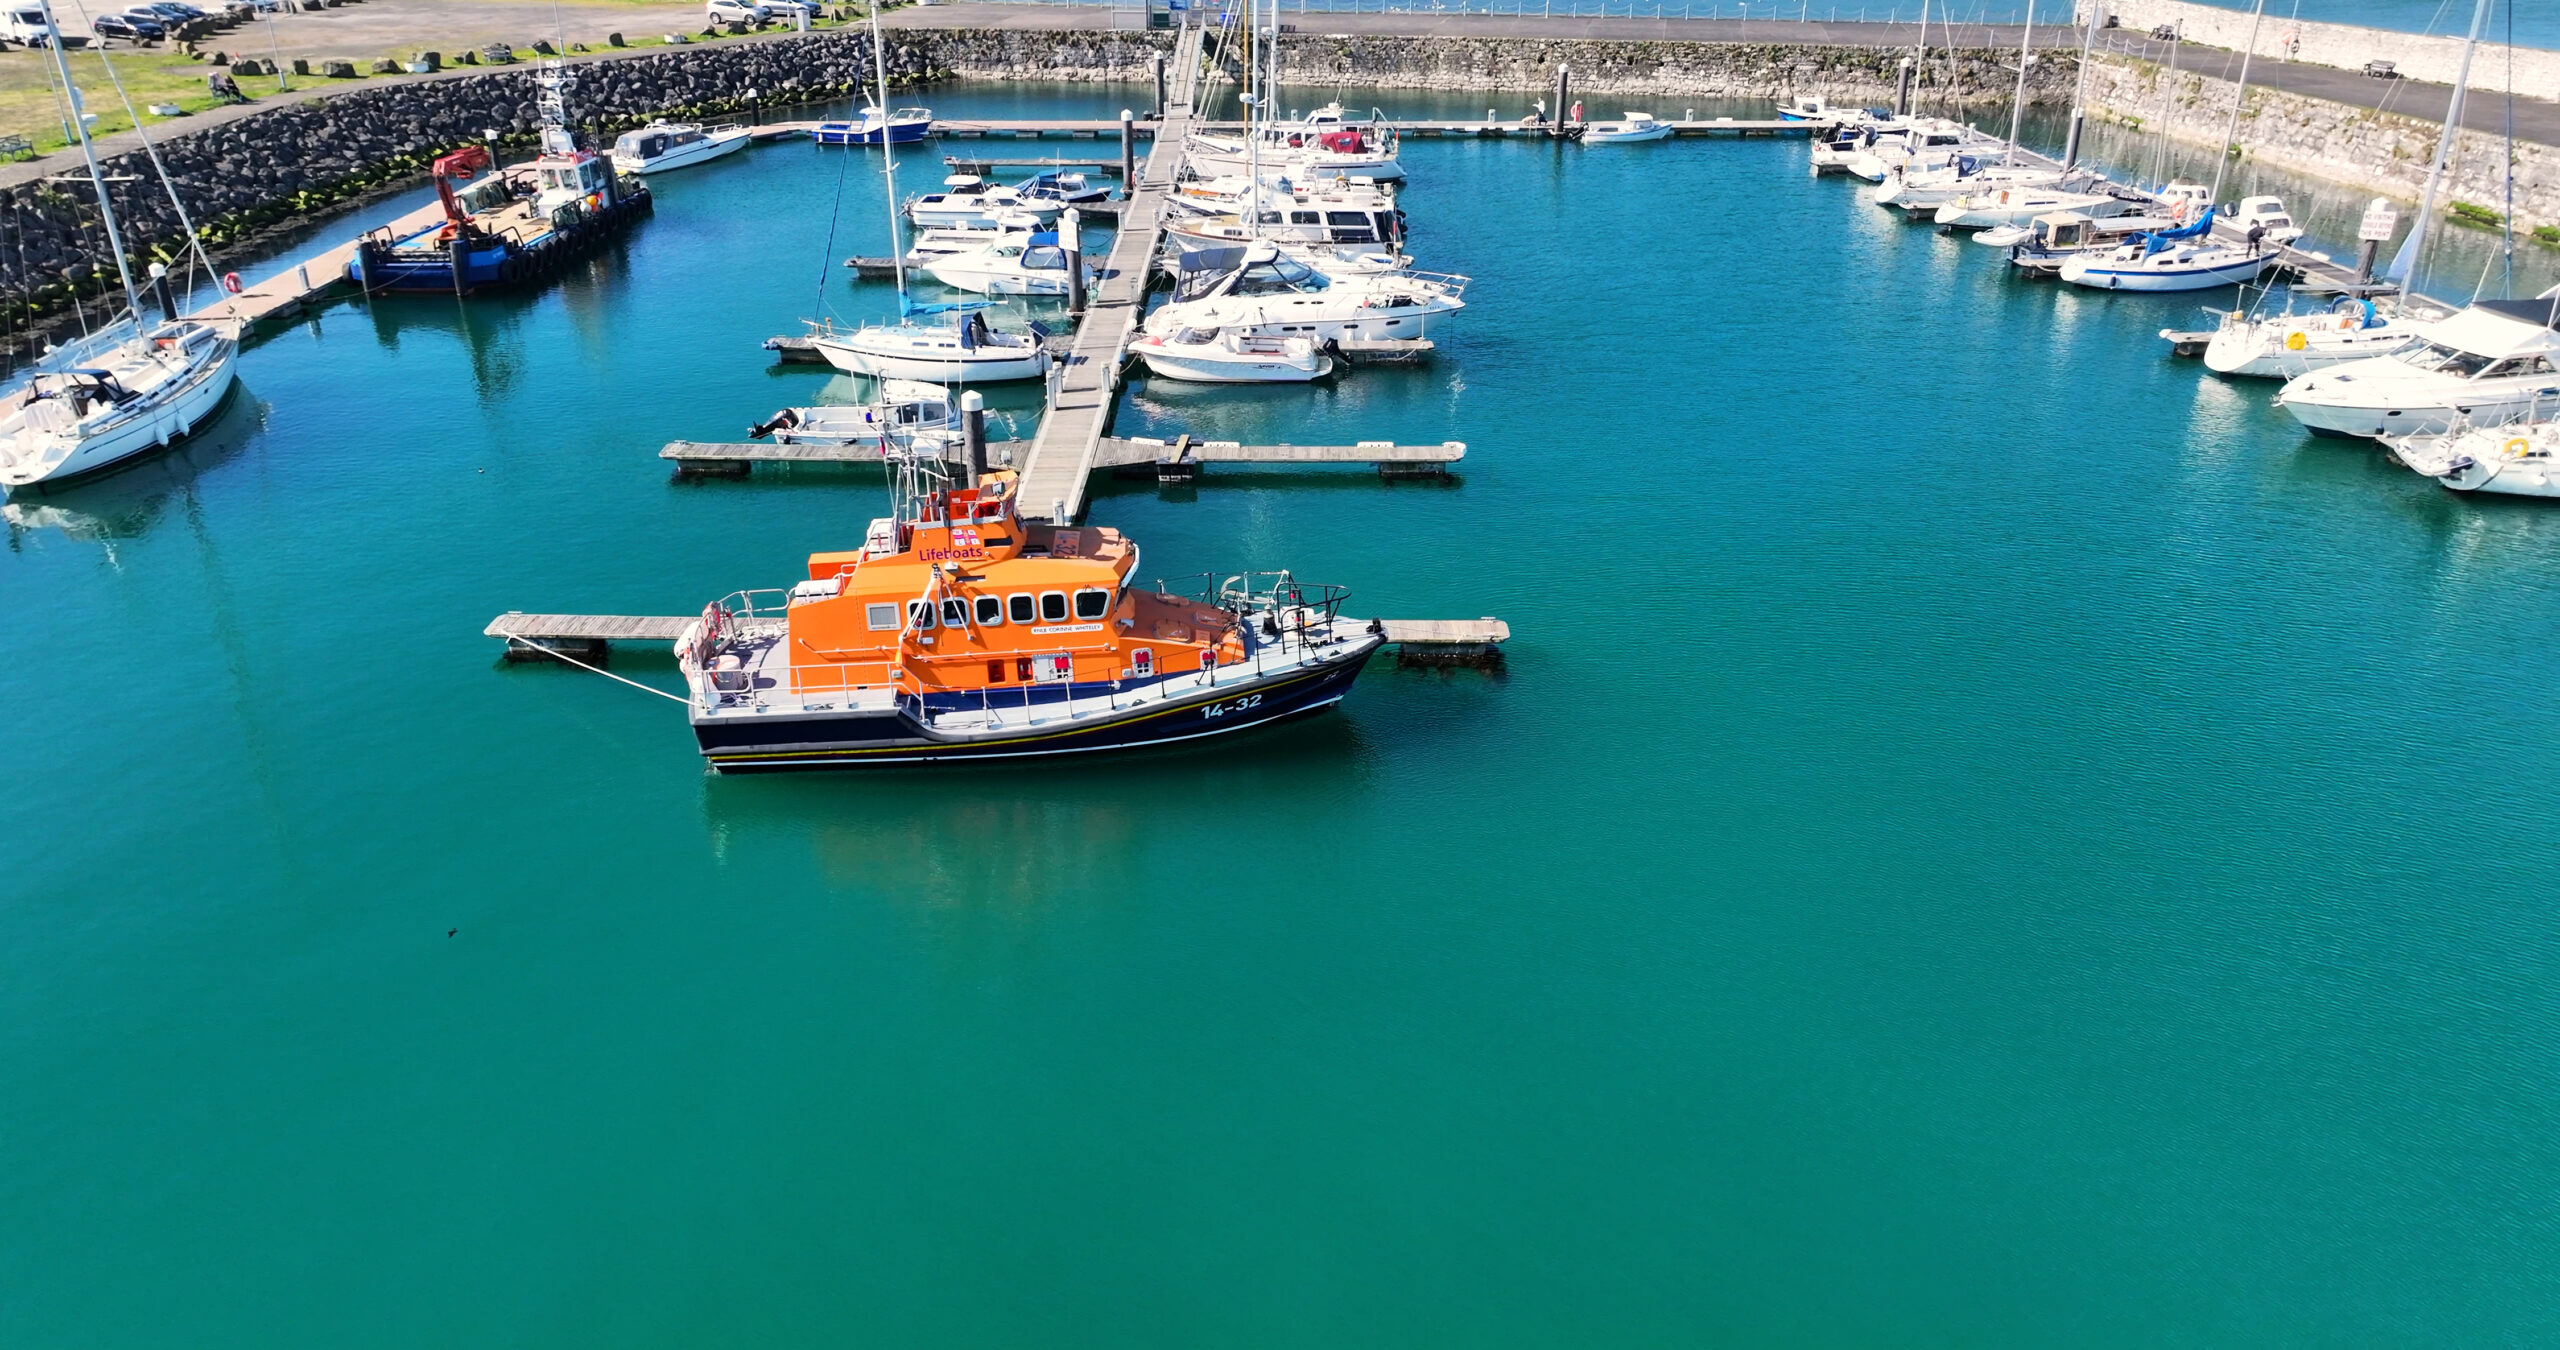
<point x="231" y="282"/>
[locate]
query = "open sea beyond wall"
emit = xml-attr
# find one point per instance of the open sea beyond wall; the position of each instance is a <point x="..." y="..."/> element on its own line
<point x="1987" y="837"/>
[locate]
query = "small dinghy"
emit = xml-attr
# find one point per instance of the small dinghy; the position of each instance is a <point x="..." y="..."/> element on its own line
<point x="1215" y="356"/>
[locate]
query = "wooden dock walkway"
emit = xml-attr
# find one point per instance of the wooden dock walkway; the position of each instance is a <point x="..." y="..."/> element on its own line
<point x="734" y="459"/>
<point x="1085" y="384"/>
<point x="589" y="637"/>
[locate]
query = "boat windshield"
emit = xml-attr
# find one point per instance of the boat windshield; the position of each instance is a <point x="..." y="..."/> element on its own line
<point x="1279" y="276"/>
<point x="2438" y="357"/>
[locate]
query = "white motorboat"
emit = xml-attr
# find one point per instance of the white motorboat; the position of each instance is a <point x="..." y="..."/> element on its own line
<point x="1271" y="294"/>
<point x="1022" y="264"/>
<point x="2518" y="460"/>
<point x="1213" y="356"/>
<point x="2494" y="363"/>
<point x="1325" y="144"/>
<point x="1064" y="187"/>
<point x="967" y="199"/>
<point x="967" y="351"/>
<point x="1310" y="215"/>
<point x="1921" y="144"/>
<point x="904" y="409"/>
<point x="112" y="397"/>
<point x="2282" y="346"/>
<point x="2019" y="206"/>
<point x="1812" y="108"/>
<point x="873" y="127"/>
<point x="131" y="388"/>
<point x="1634" y="126"/>
<point x="661" y="146"/>
<point x="2268" y="213"/>
<point x="952" y="240"/>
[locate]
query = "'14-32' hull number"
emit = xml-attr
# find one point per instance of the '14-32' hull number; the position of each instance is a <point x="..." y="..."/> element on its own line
<point x="1231" y="706"/>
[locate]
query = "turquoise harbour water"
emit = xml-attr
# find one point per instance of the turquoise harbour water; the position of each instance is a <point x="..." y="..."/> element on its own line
<point x="1986" y="837"/>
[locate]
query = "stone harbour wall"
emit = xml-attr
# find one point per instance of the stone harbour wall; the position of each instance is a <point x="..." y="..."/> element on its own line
<point x="2346" y="46"/>
<point x="2386" y="152"/>
<point x="1527" y="66"/>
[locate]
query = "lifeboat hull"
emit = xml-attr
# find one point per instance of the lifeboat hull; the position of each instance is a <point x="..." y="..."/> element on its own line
<point x="861" y="739"/>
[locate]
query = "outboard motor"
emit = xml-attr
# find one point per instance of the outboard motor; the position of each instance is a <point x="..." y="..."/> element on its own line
<point x="782" y="420"/>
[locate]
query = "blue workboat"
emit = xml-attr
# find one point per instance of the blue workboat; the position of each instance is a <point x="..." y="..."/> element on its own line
<point x="903" y="127"/>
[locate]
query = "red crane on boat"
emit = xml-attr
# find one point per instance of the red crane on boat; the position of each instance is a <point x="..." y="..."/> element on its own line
<point x="458" y="167"/>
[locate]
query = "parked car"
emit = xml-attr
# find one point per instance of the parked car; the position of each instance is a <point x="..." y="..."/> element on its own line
<point x="125" y="26"/>
<point x="734" y="11"/>
<point x="2165" y="33"/>
<point x="26" y="26"/>
<point x="2382" y="70"/>
<point x="783" y="9"/>
<point x="170" y="15"/>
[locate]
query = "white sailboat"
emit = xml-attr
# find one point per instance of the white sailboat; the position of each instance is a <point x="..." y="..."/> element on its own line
<point x="135" y="387"/>
<point x="2283" y="346"/>
<point x="967" y="350"/>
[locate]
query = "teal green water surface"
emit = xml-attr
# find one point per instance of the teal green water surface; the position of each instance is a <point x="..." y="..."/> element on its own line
<point x="1985" y="837"/>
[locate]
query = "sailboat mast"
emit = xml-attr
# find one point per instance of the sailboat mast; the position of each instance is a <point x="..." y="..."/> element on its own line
<point x="888" y="159"/>
<point x="2404" y="265"/>
<point x="107" y="213"/>
<point x="1919" y="62"/>
<point x="2018" y="105"/>
<point x="2080" y="93"/>
<point x="2222" y="158"/>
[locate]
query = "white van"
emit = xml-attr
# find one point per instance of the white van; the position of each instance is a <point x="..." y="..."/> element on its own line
<point x="25" y="26"/>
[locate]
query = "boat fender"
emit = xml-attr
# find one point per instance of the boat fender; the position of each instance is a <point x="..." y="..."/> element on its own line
<point x="231" y="282"/>
<point x="2516" y="447"/>
<point x="2296" y="340"/>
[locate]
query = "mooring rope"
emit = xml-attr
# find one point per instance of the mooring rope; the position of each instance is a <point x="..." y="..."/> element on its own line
<point x="557" y="655"/>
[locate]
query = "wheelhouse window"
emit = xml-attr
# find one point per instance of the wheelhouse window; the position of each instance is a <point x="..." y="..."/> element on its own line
<point x="1279" y="276"/>
<point x="1092" y="604"/>
<point x="1045" y="259"/>
<point x="920" y="614"/>
<point x="1053" y="606"/>
<point x="882" y="616"/>
<point x="1018" y="608"/>
<point x="1305" y="218"/>
<point x="990" y="610"/>
<point x="955" y="613"/>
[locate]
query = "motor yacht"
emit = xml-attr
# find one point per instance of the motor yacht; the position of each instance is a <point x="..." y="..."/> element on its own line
<point x="1921" y="191"/>
<point x="1634" y="126"/>
<point x="1016" y="264"/>
<point x="1925" y="143"/>
<point x="1325" y="144"/>
<point x="962" y="630"/>
<point x="2282" y="346"/>
<point x="967" y="199"/>
<point x="2516" y="460"/>
<point x="661" y="146"/>
<point x="950" y="240"/>
<point x="1212" y="356"/>
<point x="1063" y="187"/>
<point x="2495" y="362"/>
<point x="1268" y="293"/>
<point x="967" y="350"/>
<point x="904" y="410"/>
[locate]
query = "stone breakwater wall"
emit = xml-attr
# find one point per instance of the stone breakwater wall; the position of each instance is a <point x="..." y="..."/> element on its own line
<point x="2385" y="152"/>
<point x="2346" y="46"/>
<point x="1527" y="66"/>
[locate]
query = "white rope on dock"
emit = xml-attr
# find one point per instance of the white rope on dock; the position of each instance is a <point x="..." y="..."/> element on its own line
<point x="558" y="655"/>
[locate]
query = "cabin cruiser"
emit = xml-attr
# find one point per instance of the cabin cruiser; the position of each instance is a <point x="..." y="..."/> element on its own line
<point x="960" y="629"/>
<point x="1991" y="209"/>
<point x="2282" y="346"/>
<point x="904" y="410"/>
<point x="1214" y="356"/>
<point x="1016" y="264"/>
<point x="110" y="397"/>
<point x="1268" y="293"/>
<point x="1063" y="187"/>
<point x="661" y="146"/>
<point x="1325" y="144"/>
<point x="967" y="199"/>
<point x="1814" y="108"/>
<point x="2269" y="214"/>
<point x="2517" y="460"/>
<point x="1287" y="210"/>
<point x="874" y="127"/>
<point x="1833" y="152"/>
<point x="1634" y="126"/>
<point x="2495" y="362"/>
<point x="967" y="350"/>
<point x="2040" y="247"/>
<point x="1921" y="144"/>
<point x="946" y="241"/>
<point x="2183" y="259"/>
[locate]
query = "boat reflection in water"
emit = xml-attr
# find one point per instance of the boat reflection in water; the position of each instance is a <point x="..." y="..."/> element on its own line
<point x="128" y="503"/>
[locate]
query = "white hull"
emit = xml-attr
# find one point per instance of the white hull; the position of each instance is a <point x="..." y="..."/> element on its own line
<point x="958" y="274"/>
<point x="1290" y="362"/>
<point x="1595" y="136"/>
<point x="170" y="417"/>
<point x="703" y="151"/>
<point x="2108" y="274"/>
<point x="897" y="359"/>
<point x="2263" y="350"/>
<point x="1298" y="165"/>
<point x="2519" y="465"/>
<point x="2339" y="419"/>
